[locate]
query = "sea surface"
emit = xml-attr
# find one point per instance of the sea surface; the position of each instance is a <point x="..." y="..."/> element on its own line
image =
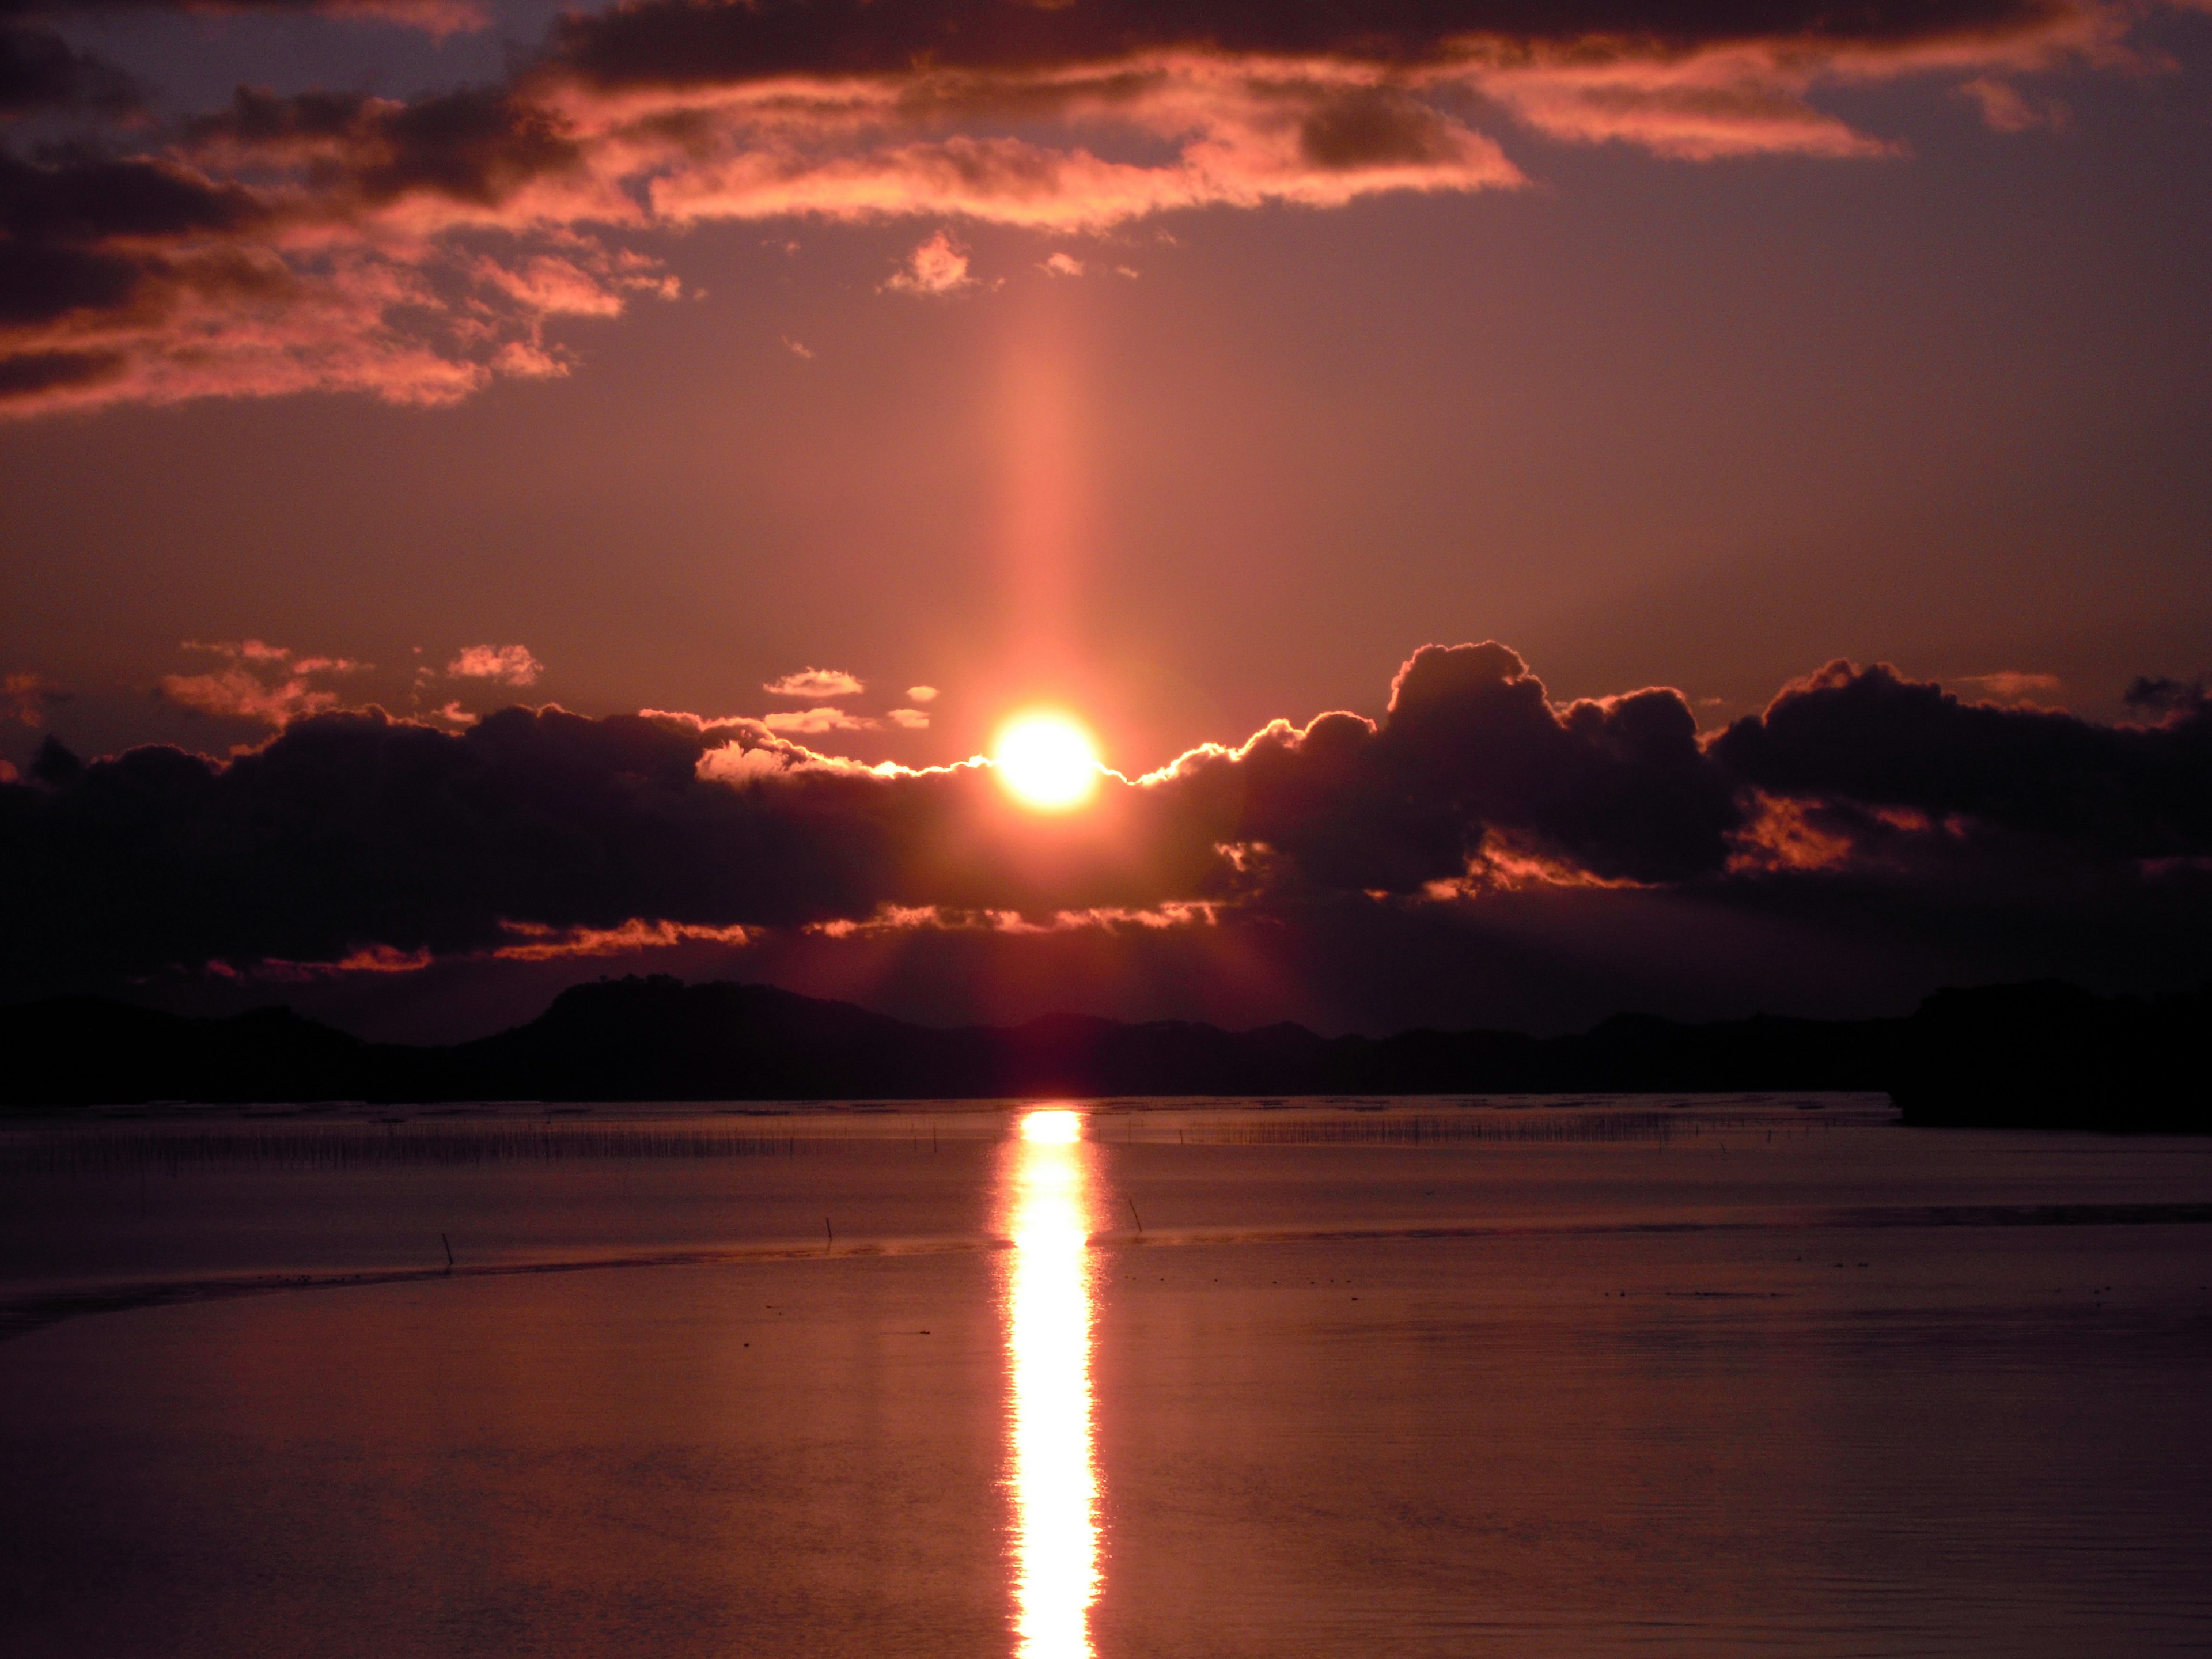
<point x="1121" y="1380"/>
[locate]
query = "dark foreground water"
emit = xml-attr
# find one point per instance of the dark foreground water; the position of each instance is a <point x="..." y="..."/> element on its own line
<point x="1732" y="1377"/>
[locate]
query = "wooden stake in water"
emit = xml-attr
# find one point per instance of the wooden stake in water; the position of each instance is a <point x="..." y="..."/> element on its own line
<point x="830" y="1233"/>
<point x="448" y="1243"/>
<point x="1133" y="1211"/>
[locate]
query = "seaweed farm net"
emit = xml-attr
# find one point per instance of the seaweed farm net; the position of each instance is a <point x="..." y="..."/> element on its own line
<point x="102" y="1151"/>
<point x="1441" y="1129"/>
<point x="112" y="1148"/>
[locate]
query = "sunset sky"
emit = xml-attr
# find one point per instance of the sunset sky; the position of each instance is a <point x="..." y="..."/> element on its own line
<point x="833" y="380"/>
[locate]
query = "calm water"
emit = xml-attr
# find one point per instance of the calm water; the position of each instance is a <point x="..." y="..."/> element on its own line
<point x="1743" y="1377"/>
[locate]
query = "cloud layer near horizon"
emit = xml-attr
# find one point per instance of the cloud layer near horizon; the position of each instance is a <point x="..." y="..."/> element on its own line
<point x="414" y="250"/>
<point x="354" y="837"/>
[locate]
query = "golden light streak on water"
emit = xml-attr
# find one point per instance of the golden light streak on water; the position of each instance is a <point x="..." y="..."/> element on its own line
<point x="1055" y="1466"/>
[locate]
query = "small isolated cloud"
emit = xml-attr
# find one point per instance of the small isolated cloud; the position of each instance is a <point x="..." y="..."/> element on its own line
<point x="797" y="349"/>
<point x="921" y="694"/>
<point x="1067" y="264"/>
<point x="911" y="720"/>
<point x="809" y="721"/>
<point x="2010" y="685"/>
<point x="939" y="266"/>
<point x="258" y="681"/>
<point x="817" y="683"/>
<point x="509" y="664"/>
<point x="24" y="699"/>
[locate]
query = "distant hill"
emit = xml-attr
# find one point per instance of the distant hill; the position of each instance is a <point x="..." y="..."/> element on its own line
<point x="2043" y="1055"/>
<point x="2048" y="1055"/>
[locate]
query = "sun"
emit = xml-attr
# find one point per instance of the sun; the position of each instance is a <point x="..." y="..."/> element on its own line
<point x="1046" y="761"/>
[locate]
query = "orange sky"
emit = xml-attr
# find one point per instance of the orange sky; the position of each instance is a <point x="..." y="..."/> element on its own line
<point x="1187" y="367"/>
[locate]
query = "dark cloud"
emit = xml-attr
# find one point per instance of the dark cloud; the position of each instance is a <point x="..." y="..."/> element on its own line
<point x="41" y="71"/>
<point x="1373" y="128"/>
<point x="440" y="17"/>
<point x="1472" y="751"/>
<point x="2156" y="694"/>
<point x="352" y="832"/>
<point x="39" y="284"/>
<point x="96" y="199"/>
<point x="96" y="251"/>
<point x="1870" y="737"/>
<point x="31" y="372"/>
<point x="477" y="145"/>
<point x="682" y="42"/>
<point x="165" y="277"/>
<point x="416" y="249"/>
<point x="263" y="121"/>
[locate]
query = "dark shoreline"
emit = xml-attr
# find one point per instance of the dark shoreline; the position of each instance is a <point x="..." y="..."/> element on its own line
<point x="2037" y="1055"/>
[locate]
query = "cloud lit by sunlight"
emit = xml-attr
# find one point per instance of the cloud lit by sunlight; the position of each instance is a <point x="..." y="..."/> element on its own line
<point x="417" y="249"/>
<point x="1473" y="783"/>
<point x="509" y="664"/>
<point x="816" y="684"/>
<point x="939" y="266"/>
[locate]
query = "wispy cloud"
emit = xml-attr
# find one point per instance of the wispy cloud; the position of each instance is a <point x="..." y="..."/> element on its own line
<point x="2011" y="685"/>
<point x="255" y="681"/>
<point x="807" y="722"/>
<point x="2006" y="108"/>
<point x="415" y="250"/>
<point x="535" y="941"/>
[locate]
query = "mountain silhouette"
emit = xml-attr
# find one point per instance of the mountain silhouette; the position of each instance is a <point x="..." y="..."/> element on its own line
<point x="2039" y="1055"/>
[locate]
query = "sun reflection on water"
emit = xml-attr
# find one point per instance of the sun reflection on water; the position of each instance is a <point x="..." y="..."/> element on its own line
<point x="1054" y="1476"/>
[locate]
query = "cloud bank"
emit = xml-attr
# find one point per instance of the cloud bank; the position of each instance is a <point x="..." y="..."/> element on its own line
<point x="355" y="836"/>
<point x="416" y="250"/>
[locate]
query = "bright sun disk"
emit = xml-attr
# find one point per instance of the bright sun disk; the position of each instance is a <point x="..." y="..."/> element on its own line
<point x="1046" y="761"/>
